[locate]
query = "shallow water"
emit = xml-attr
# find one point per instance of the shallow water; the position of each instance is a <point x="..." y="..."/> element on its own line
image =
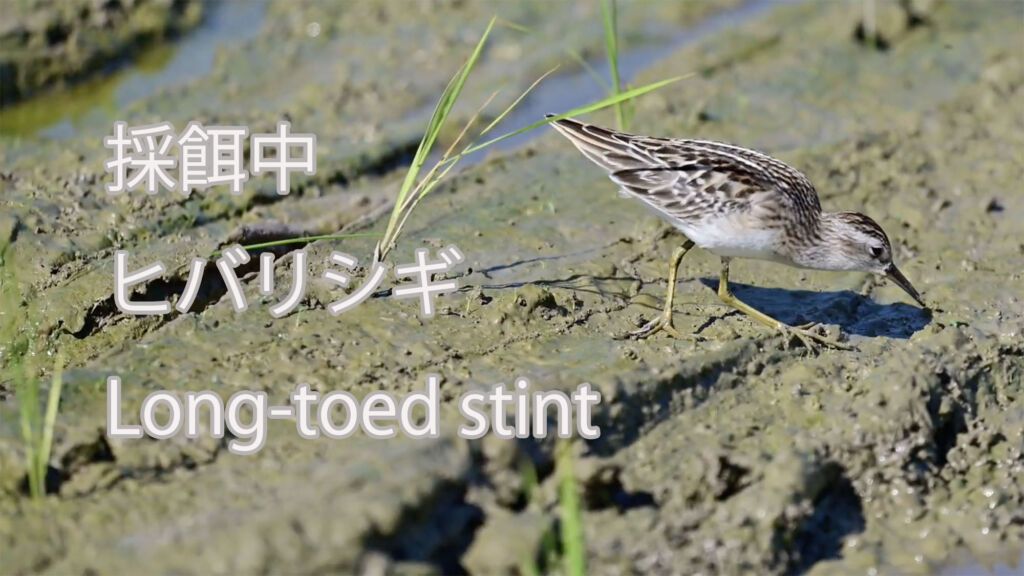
<point x="565" y="91"/>
<point x="91" y="106"/>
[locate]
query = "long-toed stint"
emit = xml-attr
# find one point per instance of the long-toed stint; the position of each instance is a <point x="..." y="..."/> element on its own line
<point x="736" y="203"/>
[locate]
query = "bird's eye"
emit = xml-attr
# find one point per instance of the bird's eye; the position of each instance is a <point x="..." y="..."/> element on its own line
<point x="876" y="251"/>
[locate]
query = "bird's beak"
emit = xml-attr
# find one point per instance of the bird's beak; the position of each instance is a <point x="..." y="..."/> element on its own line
<point x="893" y="273"/>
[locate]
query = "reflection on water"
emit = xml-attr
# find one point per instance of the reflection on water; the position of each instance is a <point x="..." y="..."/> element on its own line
<point x="64" y="113"/>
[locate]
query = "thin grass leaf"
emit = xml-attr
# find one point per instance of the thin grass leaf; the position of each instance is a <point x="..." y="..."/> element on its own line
<point x="573" y="55"/>
<point x="578" y="58"/>
<point x="469" y="124"/>
<point x="517" y="101"/>
<point x="305" y="240"/>
<point x="440" y="114"/>
<point x="16" y="355"/>
<point x="604" y="103"/>
<point x="52" y="405"/>
<point x="414" y="188"/>
<point x="17" y="358"/>
<point x="418" y="191"/>
<point x="427" y="188"/>
<point x="528" y="479"/>
<point x="431" y="180"/>
<point x="629" y="109"/>
<point x="549" y="547"/>
<point x="28" y="407"/>
<point x="437" y="119"/>
<point x="611" y="41"/>
<point x="512" y="25"/>
<point x="574" y="561"/>
<point x="428" y="182"/>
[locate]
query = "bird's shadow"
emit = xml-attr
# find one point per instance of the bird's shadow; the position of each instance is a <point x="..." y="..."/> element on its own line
<point x="854" y="313"/>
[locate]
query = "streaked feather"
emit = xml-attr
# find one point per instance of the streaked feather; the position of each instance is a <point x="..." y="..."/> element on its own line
<point x="693" y="179"/>
<point x="736" y="203"/>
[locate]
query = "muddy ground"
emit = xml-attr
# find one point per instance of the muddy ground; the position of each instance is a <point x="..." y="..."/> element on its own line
<point x="46" y="44"/>
<point x="727" y="452"/>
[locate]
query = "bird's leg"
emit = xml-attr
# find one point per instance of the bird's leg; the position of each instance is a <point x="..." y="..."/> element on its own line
<point x="664" y="321"/>
<point x="808" y="338"/>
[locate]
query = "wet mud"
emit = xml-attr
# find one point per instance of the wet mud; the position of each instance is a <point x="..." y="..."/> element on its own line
<point x="726" y="452"/>
<point x="45" y="45"/>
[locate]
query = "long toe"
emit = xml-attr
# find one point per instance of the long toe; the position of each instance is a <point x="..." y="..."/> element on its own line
<point x="659" y="324"/>
<point x="812" y="340"/>
<point x="649" y="329"/>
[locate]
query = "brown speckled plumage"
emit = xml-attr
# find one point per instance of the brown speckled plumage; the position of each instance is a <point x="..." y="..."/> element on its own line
<point x="690" y="179"/>
<point x="736" y="203"/>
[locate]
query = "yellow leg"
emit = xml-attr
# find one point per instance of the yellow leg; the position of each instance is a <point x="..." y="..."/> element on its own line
<point x="664" y="321"/>
<point x="803" y="333"/>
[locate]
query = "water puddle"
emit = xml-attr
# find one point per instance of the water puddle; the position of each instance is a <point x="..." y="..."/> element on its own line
<point x="65" y="113"/>
<point x="567" y="91"/>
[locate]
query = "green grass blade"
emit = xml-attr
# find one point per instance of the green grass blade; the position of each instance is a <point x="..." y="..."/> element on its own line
<point x="442" y="110"/>
<point x="16" y="356"/>
<point x="512" y="106"/>
<point x="28" y="407"/>
<point x="514" y="26"/>
<point x="427" y="188"/>
<point x="578" y="58"/>
<point x="431" y="179"/>
<point x="52" y="404"/>
<point x="414" y="188"/>
<point x="300" y="240"/>
<point x="604" y="103"/>
<point x="611" y="41"/>
<point x="437" y="120"/>
<point x="573" y="547"/>
<point x="528" y="479"/>
<point x="573" y="55"/>
<point x="307" y="239"/>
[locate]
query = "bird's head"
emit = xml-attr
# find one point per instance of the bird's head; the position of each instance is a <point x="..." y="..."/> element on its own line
<point x="856" y="242"/>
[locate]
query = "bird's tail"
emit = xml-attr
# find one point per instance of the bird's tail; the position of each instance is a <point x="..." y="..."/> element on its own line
<point x="609" y="149"/>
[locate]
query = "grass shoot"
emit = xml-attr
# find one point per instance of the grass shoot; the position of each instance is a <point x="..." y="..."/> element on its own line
<point x="609" y="14"/>
<point x="17" y="353"/>
<point x="414" y="187"/>
<point x="574" y="550"/>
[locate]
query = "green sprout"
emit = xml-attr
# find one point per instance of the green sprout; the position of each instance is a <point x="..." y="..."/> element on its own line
<point x="609" y="14"/>
<point x="574" y="549"/>
<point x="414" y="188"/>
<point x="18" y="351"/>
<point x="569" y="544"/>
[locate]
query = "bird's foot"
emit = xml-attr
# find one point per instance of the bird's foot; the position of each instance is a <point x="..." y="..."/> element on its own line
<point x="811" y="339"/>
<point x="663" y="323"/>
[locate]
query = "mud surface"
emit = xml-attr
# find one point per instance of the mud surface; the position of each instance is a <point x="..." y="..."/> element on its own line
<point x="45" y="44"/>
<point x="728" y="452"/>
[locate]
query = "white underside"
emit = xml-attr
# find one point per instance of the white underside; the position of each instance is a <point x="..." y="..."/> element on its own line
<point x="737" y="235"/>
<point x="732" y="237"/>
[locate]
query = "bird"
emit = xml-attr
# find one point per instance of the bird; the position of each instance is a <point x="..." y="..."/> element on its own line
<point x="736" y="203"/>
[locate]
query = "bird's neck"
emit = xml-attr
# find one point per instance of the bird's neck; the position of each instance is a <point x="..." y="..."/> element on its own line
<point x="815" y="247"/>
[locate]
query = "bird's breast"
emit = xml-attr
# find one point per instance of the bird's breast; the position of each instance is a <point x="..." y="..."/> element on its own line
<point x="734" y="236"/>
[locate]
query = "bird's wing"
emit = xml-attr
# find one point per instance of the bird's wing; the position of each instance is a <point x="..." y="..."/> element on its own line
<point x="687" y="178"/>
